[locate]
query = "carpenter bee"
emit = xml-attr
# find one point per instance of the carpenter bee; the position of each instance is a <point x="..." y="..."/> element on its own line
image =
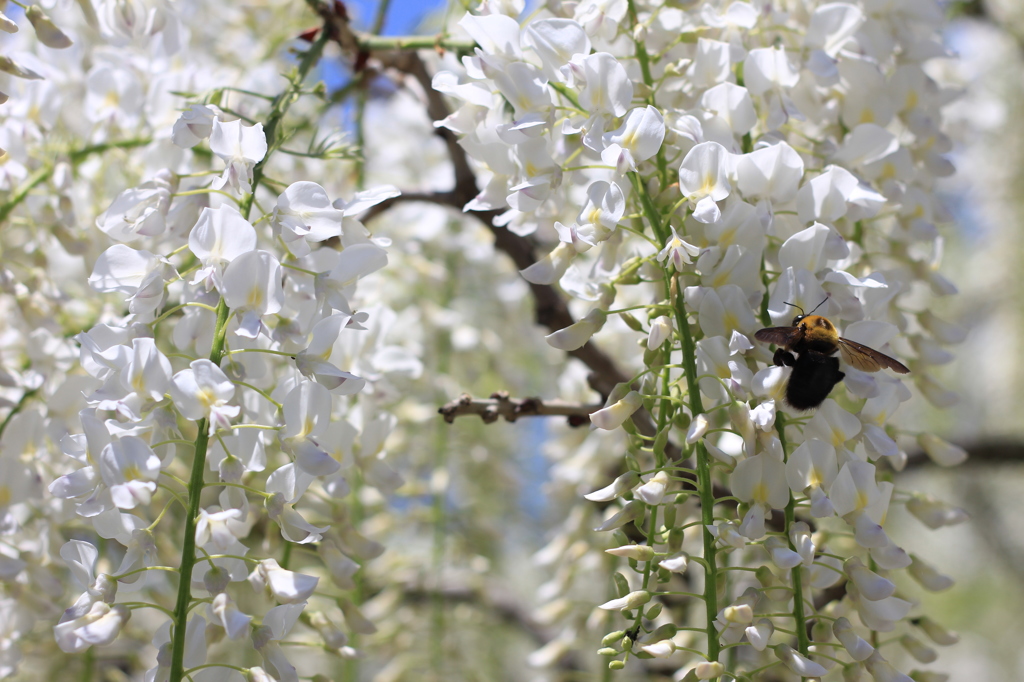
<point x="815" y="371"/>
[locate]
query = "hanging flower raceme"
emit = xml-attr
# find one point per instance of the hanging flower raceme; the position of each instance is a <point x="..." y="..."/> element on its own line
<point x="198" y="361"/>
<point x="735" y="184"/>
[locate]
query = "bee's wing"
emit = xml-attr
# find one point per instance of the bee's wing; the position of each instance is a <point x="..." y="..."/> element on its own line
<point x="859" y="356"/>
<point x="780" y="336"/>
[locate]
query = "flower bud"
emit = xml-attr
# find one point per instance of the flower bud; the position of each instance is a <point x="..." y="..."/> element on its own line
<point x="936" y="632"/>
<point x="918" y="650"/>
<point x="698" y="427"/>
<point x="612" y="638"/>
<point x="662" y="632"/>
<point x="782" y="556"/>
<point x="926" y="575"/>
<point x="943" y="453"/>
<point x="638" y="552"/>
<point x="935" y="513"/>
<point x="551" y="267"/>
<point x="890" y="557"/>
<point x="231" y="469"/>
<point x="333" y="637"/>
<point x="621" y="485"/>
<point x="661" y="329"/>
<point x="882" y="671"/>
<point x="800" y="536"/>
<point x="46" y="30"/>
<point x="871" y="585"/>
<point x="798" y="663"/>
<point x="858" y="648"/>
<point x="288" y="587"/>
<point x="653" y="491"/>
<point x="216" y="580"/>
<point x="676" y="563"/>
<point x="821" y="631"/>
<point x="225" y="613"/>
<point x="738" y="613"/>
<point x="6" y="25"/>
<point x="578" y="333"/>
<point x="8" y="65"/>
<point x="708" y="670"/>
<point x="614" y="415"/>
<point x="660" y="649"/>
<point x="633" y="510"/>
<point x="258" y="674"/>
<point x="759" y="633"/>
<point x="355" y="619"/>
<point x="630" y="601"/>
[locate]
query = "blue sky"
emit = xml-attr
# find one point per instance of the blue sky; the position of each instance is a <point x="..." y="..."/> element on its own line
<point x="403" y="15"/>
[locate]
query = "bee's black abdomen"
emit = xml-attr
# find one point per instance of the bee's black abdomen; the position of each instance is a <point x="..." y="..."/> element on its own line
<point x="813" y="378"/>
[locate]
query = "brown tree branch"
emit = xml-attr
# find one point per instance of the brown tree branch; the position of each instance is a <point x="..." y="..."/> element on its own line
<point x="982" y="452"/>
<point x="551" y="310"/>
<point x="500" y="405"/>
<point x="506" y="608"/>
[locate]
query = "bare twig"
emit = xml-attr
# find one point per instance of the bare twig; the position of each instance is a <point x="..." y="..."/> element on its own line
<point x="984" y="452"/>
<point x="500" y="405"/>
<point x="505" y="607"/>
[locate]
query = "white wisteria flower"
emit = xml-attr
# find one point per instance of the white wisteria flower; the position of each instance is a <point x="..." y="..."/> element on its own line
<point x="241" y="147"/>
<point x="202" y="392"/>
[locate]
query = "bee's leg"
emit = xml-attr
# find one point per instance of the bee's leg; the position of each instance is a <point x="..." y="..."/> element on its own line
<point x="783" y="358"/>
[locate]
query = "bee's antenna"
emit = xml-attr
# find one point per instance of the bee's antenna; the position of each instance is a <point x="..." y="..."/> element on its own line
<point x="794" y="305"/>
<point x="820" y="304"/>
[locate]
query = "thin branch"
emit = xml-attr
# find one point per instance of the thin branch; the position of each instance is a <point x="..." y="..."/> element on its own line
<point x="551" y="310"/>
<point x="500" y="405"/>
<point x="507" y="608"/>
<point x="984" y="452"/>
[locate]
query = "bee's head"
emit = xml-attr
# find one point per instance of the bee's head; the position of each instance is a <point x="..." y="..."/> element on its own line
<point x="802" y="316"/>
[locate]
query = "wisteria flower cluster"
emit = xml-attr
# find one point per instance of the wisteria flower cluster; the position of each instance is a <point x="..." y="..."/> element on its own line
<point x="202" y="370"/>
<point x="228" y="390"/>
<point x="709" y="171"/>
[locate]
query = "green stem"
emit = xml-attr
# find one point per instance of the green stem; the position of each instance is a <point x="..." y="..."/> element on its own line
<point x="707" y="495"/>
<point x="803" y="643"/>
<point x="650" y="210"/>
<point x="188" y="553"/>
<point x="706" y="491"/>
<point x="25" y="397"/>
<point x="666" y="406"/>
<point x="382" y="14"/>
<point x="373" y="42"/>
<point x="88" y="664"/>
<point x="652" y="532"/>
<point x="40" y="176"/>
<point x="641" y="53"/>
<point x="43" y="173"/>
<point x="195" y="489"/>
<point x="277" y="113"/>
